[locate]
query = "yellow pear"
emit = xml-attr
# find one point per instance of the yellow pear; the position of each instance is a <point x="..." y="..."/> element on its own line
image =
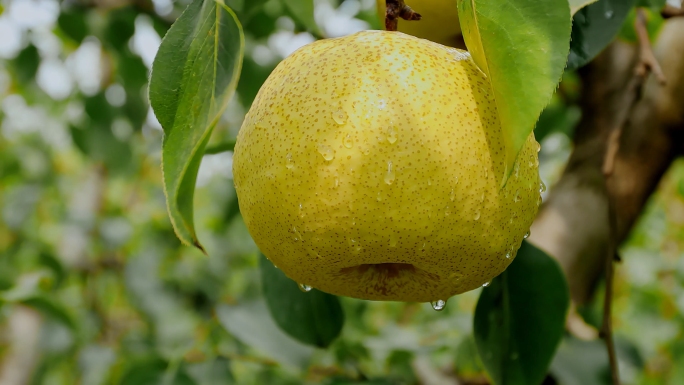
<point x="370" y="166"/>
<point x="439" y="23"/>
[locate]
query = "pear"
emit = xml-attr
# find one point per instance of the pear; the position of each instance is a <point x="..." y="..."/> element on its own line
<point x="370" y="166"/>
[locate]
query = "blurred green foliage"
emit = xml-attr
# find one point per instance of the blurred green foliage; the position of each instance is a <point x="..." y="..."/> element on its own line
<point x="95" y="288"/>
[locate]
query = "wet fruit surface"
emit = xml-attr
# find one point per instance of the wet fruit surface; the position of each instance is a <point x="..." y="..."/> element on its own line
<point x="371" y="166"/>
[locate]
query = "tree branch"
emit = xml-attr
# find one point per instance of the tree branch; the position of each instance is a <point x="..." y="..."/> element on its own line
<point x="645" y="63"/>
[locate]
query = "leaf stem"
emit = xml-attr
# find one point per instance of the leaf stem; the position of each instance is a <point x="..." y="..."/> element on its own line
<point x="395" y="10"/>
<point x="220" y="147"/>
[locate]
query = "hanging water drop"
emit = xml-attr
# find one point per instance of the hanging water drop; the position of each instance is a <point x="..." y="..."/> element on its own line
<point x="538" y="147"/>
<point x="486" y="284"/>
<point x="288" y="161"/>
<point x="517" y="197"/>
<point x="508" y="255"/>
<point x="477" y="215"/>
<point x="542" y="187"/>
<point x="326" y="152"/>
<point x="527" y="234"/>
<point x="391" y="135"/>
<point x="379" y="197"/>
<point x="304" y="288"/>
<point x="301" y="211"/>
<point x="340" y="117"/>
<point x="438" y="305"/>
<point x="389" y="177"/>
<point x="452" y="195"/>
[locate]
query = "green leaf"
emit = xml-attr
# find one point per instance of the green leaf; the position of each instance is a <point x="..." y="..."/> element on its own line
<point x="314" y="318"/>
<point x="193" y="77"/>
<point x="576" y="5"/>
<point x="522" y="47"/>
<point x="51" y="309"/>
<point x="251" y="324"/>
<point x="343" y="381"/>
<point x="594" y="27"/>
<point x="155" y="371"/>
<point x="519" y="319"/>
<point x="303" y="11"/>
<point x="655" y="5"/>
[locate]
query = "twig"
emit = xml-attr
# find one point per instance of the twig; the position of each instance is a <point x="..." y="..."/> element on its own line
<point x="646" y="63"/>
<point x="647" y="60"/>
<point x="397" y="9"/>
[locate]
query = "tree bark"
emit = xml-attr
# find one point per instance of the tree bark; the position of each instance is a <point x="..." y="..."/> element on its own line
<point x="573" y="223"/>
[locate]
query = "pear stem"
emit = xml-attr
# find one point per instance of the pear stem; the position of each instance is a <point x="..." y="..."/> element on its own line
<point x="397" y="9"/>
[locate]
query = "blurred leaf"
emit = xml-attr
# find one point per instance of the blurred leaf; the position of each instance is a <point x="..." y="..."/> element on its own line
<point x="303" y="11"/>
<point x="594" y="27"/>
<point x="100" y="145"/>
<point x="522" y="47"/>
<point x="314" y="318"/>
<point x="155" y="372"/>
<point x="51" y="309"/>
<point x="120" y="27"/>
<point x="343" y="381"/>
<point x="467" y="362"/>
<point x="252" y="324"/>
<point x="25" y="65"/>
<point x="557" y="117"/>
<point x="193" y="77"/>
<point x="73" y="23"/>
<point x="581" y="363"/>
<point x="214" y="372"/>
<point x="520" y="318"/>
<point x="50" y="261"/>
<point x="655" y="5"/>
<point x="253" y="76"/>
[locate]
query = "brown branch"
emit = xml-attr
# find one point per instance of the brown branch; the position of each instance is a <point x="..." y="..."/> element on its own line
<point x="395" y="10"/>
<point x="670" y="12"/>
<point x="646" y="63"/>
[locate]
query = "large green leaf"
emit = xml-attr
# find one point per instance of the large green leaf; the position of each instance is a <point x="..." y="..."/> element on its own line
<point x="594" y="27"/>
<point x="193" y="77"/>
<point x="519" y="319"/>
<point x="522" y="47"/>
<point x="314" y="318"/>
